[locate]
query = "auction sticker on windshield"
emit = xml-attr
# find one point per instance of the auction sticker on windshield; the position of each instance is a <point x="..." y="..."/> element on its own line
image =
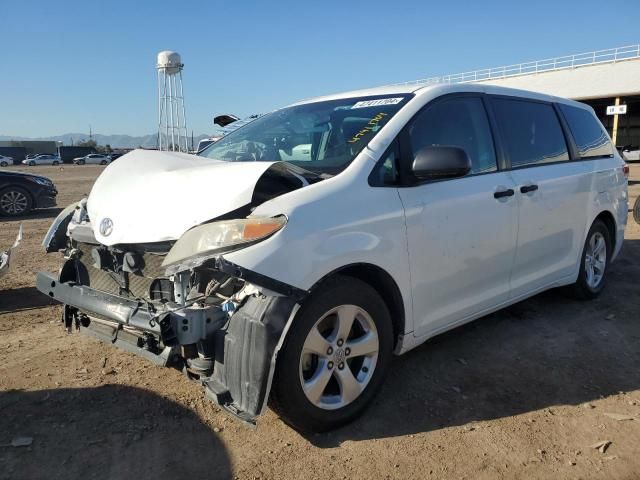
<point x="377" y="103"/>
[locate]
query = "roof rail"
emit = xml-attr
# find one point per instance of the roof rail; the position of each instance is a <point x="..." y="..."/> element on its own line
<point x="611" y="55"/>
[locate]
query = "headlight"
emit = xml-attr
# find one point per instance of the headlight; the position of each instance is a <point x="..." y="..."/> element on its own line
<point x="41" y="181"/>
<point x="204" y="241"/>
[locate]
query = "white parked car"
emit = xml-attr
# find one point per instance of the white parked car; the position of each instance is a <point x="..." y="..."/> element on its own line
<point x="410" y="210"/>
<point x="42" y="159"/>
<point x="5" y="161"/>
<point x="93" y="158"/>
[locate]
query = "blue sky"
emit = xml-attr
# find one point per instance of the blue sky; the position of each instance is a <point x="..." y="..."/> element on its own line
<point x="68" y="64"/>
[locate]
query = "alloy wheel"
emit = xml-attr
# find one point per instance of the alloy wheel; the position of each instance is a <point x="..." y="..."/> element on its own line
<point x="339" y="357"/>
<point x="595" y="260"/>
<point x="13" y="202"/>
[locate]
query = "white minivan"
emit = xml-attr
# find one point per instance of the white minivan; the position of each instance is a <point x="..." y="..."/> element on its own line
<point x="271" y="275"/>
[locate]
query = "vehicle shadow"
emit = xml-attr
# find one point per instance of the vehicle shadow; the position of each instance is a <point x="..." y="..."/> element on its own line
<point x="20" y="299"/>
<point x="37" y="214"/>
<point x="547" y="351"/>
<point x="125" y="433"/>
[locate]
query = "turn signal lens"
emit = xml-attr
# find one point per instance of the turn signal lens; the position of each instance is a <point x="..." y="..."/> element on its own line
<point x="211" y="238"/>
<point x="257" y="230"/>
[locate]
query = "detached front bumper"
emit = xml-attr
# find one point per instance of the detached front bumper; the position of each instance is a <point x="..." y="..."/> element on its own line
<point x="240" y="346"/>
<point x="118" y="309"/>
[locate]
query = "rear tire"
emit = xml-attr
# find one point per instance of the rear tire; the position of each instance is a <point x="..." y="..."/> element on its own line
<point x="636" y="210"/>
<point x="594" y="262"/>
<point x="319" y="392"/>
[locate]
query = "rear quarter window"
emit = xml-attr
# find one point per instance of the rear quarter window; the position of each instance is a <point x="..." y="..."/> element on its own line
<point x="588" y="133"/>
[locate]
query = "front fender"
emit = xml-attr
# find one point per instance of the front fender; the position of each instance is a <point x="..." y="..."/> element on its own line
<point x="56" y="237"/>
<point x="326" y="233"/>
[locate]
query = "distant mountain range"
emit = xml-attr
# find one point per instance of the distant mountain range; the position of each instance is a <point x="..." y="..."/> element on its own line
<point x="116" y="141"/>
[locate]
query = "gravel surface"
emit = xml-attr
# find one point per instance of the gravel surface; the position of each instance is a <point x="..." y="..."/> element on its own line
<point x="549" y="388"/>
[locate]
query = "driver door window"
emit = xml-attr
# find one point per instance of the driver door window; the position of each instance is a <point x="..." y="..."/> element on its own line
<point x="460" y="122"/>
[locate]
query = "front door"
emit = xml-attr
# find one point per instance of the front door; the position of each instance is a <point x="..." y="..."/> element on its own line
<point x="461" y="232"/>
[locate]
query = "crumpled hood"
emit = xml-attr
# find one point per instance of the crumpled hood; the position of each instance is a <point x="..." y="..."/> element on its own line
<point x="152" y="196"/>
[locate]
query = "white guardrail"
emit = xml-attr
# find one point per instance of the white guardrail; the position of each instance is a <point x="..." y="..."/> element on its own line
<point x="611" y="55"/>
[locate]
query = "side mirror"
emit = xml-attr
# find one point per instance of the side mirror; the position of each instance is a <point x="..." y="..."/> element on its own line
<point x="440" y="161"/>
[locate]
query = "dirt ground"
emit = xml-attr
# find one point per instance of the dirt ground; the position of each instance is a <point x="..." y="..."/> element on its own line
<point x="523" y="393"/>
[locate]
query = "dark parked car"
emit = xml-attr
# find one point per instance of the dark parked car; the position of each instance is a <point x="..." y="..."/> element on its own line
<point x="22" y="192"/>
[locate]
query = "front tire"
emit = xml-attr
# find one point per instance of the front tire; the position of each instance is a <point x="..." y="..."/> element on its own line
<point x="32" y="163"/>
<point x="103" y="162"/>
<point x="4" y="164"/>
<point x="14" y="201"/>
<point x="636" y="210"/>
<point x="55" y="163"/>
<point x="594" y="262"/>
<point x="335" y="356"/>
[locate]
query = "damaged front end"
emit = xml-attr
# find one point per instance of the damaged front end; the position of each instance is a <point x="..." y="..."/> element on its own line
<point x="178" y="303"/>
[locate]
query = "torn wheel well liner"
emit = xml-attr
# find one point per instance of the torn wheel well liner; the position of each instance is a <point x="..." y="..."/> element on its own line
<point x="243" y="364"/>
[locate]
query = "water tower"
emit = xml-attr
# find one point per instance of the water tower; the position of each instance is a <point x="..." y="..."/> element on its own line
<point x="172" y="122"/>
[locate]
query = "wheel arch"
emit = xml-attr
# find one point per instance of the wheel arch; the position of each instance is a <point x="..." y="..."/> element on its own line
<point x="383" y="283"/>
<point x="610" y="222"/>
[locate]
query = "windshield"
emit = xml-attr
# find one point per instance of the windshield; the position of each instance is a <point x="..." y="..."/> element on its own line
<point x="322" y="137"/>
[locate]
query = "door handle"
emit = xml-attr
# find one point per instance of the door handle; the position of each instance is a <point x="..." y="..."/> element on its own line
<point x="504" y="193"/>
<point x="528" y="188"/>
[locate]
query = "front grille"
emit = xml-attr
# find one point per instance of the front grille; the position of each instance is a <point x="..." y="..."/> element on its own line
<point x="105" y="282"/>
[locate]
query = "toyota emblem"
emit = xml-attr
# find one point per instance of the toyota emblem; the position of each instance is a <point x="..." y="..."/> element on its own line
<point x="106" y="227"/>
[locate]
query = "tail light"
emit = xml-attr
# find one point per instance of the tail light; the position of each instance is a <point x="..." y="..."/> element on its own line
<point x="625" y="171"/>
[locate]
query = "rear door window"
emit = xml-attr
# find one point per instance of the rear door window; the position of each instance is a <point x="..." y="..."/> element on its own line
<point x="588" y="133"/>
<point x="530" y="131"/>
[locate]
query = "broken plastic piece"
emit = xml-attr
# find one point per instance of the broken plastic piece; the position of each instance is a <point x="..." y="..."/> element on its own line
<point x="5" y="257"/>
<point x="602" y="445"/>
